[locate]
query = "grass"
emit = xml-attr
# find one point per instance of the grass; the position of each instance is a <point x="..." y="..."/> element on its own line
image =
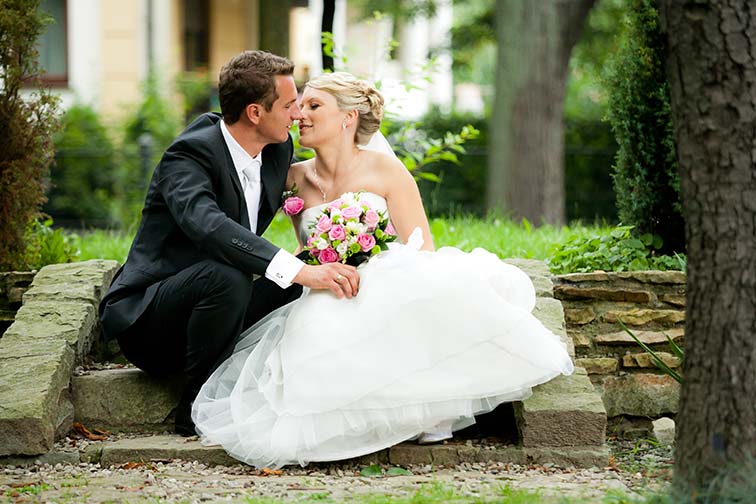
<point x="501" y="236"/>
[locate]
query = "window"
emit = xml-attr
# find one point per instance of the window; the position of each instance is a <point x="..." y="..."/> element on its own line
<point x="52" y="45"/>
<point x="196" y="34"/>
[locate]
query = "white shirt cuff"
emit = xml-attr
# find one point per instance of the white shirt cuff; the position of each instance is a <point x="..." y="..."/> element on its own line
<point x="283" y="268"/>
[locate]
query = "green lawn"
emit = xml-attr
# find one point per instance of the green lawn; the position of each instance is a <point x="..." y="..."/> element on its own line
<point x="498" y="235"/>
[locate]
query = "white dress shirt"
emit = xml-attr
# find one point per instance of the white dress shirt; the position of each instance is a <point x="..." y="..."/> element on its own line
<point x="284" y="266"/>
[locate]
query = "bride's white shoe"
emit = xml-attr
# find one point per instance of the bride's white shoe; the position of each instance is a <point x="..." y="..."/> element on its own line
<point x="439" y="433"/>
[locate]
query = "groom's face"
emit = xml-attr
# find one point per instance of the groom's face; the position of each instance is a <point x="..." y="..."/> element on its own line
<point x="275" y="123"/>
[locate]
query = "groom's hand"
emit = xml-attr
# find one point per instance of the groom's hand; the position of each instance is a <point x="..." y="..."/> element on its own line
<point x="341" y="279"/>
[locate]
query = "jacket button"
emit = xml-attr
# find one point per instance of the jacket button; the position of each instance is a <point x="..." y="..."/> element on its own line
<point x="234" y="241"/>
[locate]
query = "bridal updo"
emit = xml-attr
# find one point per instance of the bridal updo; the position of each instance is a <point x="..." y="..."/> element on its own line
<point x="352" y="93"/>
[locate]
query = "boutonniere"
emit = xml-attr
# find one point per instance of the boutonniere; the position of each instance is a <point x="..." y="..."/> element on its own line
<point x="291" y="203"/>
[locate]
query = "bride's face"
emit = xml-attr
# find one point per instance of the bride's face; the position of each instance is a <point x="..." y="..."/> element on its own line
<point x="321" y="118"/>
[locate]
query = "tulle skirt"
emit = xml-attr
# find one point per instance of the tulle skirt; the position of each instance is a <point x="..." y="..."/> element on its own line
<point x="431" y="338"/>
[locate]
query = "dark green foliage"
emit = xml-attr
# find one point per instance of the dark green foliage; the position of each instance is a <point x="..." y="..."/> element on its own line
<point x="28" y="123"/>
<point x="84" y="172"/>
<point x="589" y="149"/>
<point x="462" y="186"/>
<point x="618" y="251"/>
<point x="646" y="177"/>
<point x="148" y="133"/>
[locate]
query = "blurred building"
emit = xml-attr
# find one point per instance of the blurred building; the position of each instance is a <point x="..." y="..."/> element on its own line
<point x="99" y="51"/>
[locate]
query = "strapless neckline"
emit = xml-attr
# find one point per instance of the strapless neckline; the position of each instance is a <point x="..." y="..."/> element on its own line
<point x="323" y="205"/>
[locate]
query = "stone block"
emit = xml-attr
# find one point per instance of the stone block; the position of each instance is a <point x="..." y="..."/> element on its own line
<point x="595" y="276"/>
<point x="161" y="448"/>
<point x="569" y="456"/>
<point x="405" y="454"/>
<point x="644" y="360"/>
<point x="445" y="454"/>
<point x="564" y="412"/>
<point x="602" y="293"/>
<point x="664" y="430"/>
<point x="647" y="337"/>
<point x="72" y="322"/>
<point x="581" y="341"/>
<point x="673" y="299"/>
<point x="641" y="394"/>
<point x="85" y="281"/>
<point x="598" y="365"/>
<point x="34" y="399"/>
<point x="579" y="316"/>
<point x="539" y="274"/>
<point x="643" y="316"/>
<point x="654" y="277"/>
<point x="549" y="312"/>
<point x="124" y="400"/>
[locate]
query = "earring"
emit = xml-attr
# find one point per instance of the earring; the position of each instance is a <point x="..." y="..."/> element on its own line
<point x="343" y="125"/>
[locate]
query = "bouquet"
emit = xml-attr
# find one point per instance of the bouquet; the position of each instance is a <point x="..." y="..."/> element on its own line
<point x="348" y="230"/>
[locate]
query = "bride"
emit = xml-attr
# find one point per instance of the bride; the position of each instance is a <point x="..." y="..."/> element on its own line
<point x="431" y="339"/>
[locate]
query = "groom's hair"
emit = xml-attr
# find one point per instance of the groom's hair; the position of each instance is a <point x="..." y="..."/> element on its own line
<point x="250" y="78"/>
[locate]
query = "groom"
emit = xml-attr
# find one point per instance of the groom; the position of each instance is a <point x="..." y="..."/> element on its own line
<point x="186" y="289"/>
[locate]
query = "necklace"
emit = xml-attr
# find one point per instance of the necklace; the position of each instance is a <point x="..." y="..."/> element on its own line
<point x="317" y="182"/>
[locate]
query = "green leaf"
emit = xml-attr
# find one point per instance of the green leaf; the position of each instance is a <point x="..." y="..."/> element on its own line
<point x="398" y="471"/>
<point x="429" y="176"/>
<point x="371" y="470"/>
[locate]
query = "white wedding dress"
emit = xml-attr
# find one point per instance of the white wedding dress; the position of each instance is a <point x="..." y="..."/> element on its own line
<point x="431" y="338"/>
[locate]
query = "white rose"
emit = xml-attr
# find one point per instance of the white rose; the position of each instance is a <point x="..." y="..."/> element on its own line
<point x="322" y="244"/>
<point x="342" y="248"/>
<point x="353" y="227"/>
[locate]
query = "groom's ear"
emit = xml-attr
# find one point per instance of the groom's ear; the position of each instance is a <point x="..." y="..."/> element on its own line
<point x="253" y="112"/>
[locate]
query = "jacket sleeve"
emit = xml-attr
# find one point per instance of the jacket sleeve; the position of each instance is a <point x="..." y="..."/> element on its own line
<point x="187" y="189"/>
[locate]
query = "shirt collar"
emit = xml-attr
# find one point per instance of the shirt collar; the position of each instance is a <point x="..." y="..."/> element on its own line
<point x="239" y="156"/>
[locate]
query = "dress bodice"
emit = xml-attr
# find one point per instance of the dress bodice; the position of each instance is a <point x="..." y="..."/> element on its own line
<point x="311" y="214"/>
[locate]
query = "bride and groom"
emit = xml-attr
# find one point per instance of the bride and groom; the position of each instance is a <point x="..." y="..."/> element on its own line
<point x="287" y="362"/>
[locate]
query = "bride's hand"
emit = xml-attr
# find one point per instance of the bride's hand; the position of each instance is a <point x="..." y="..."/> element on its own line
<point x="341" y="279"/>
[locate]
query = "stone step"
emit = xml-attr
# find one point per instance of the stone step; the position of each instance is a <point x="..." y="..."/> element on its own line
<point x="166" y="447"/>
<point x="567" y="411"/>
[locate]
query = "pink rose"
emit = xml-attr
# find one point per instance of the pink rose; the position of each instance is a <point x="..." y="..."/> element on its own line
<point x="328" y="256"/>
<point x="324" y="224"/>
<point x="366" y="242"/>
<point x="293" y="205"/>
<point x="337" y="232"/>
<point x="371" y="219"/>
<point x="351" y="212"/>
<point x="390" y="229"/>
<point x="336" y="204"/>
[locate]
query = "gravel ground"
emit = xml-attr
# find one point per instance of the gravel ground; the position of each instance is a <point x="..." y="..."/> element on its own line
<point x="635" y="468"/>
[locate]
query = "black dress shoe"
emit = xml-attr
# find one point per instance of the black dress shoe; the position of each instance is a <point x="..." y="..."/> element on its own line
<point x="184" y="424"/>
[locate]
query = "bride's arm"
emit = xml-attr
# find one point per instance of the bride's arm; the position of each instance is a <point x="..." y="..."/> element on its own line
<point x="404" y="203"/>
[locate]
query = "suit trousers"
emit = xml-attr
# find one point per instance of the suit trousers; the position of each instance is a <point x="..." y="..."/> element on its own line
<point x="194" y="318"/>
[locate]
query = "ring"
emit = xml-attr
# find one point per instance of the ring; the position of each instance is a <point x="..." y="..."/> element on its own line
<point x="339" y="277"/>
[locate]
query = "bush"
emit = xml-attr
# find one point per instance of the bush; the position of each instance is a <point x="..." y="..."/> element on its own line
<point x="646" y="181"/>
<point x="46" y="245"/>
<point x="461" y="189"/>
<point x="617" y="251"/>
<point x="84" y="172"/>
<point x="147" y="134"/>
<point x="26" y="148"/>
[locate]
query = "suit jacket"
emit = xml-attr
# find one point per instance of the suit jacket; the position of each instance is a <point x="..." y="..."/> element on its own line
<point x="195" y="210"/>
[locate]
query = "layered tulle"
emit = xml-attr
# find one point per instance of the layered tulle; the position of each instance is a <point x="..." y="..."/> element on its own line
<point x="432" y="337"/>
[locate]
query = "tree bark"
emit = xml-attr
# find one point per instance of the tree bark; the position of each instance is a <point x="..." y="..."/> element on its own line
<point x="526" y="150"/>
<point x="274" y="26"/>
<point x="712" y="72"/>
<point x="326" y="26"/>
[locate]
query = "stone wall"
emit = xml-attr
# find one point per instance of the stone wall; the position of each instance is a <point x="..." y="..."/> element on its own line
<point x="652" y="305"/>
<point x="13" y="284"/>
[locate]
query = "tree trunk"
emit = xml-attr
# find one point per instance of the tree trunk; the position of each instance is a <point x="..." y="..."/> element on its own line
<point x="274" y="26"/>
<point x="526" y="150"/>
<point x="326" y="26"/>
<point x="712" y="74"/>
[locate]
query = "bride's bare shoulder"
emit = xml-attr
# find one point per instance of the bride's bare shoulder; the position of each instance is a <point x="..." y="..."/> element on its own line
<point x="383" y="162"/>
<point x="297" y="173"/>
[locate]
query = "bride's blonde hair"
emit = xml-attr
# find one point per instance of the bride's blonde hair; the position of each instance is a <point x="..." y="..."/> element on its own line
<point x="352" y="93"/>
